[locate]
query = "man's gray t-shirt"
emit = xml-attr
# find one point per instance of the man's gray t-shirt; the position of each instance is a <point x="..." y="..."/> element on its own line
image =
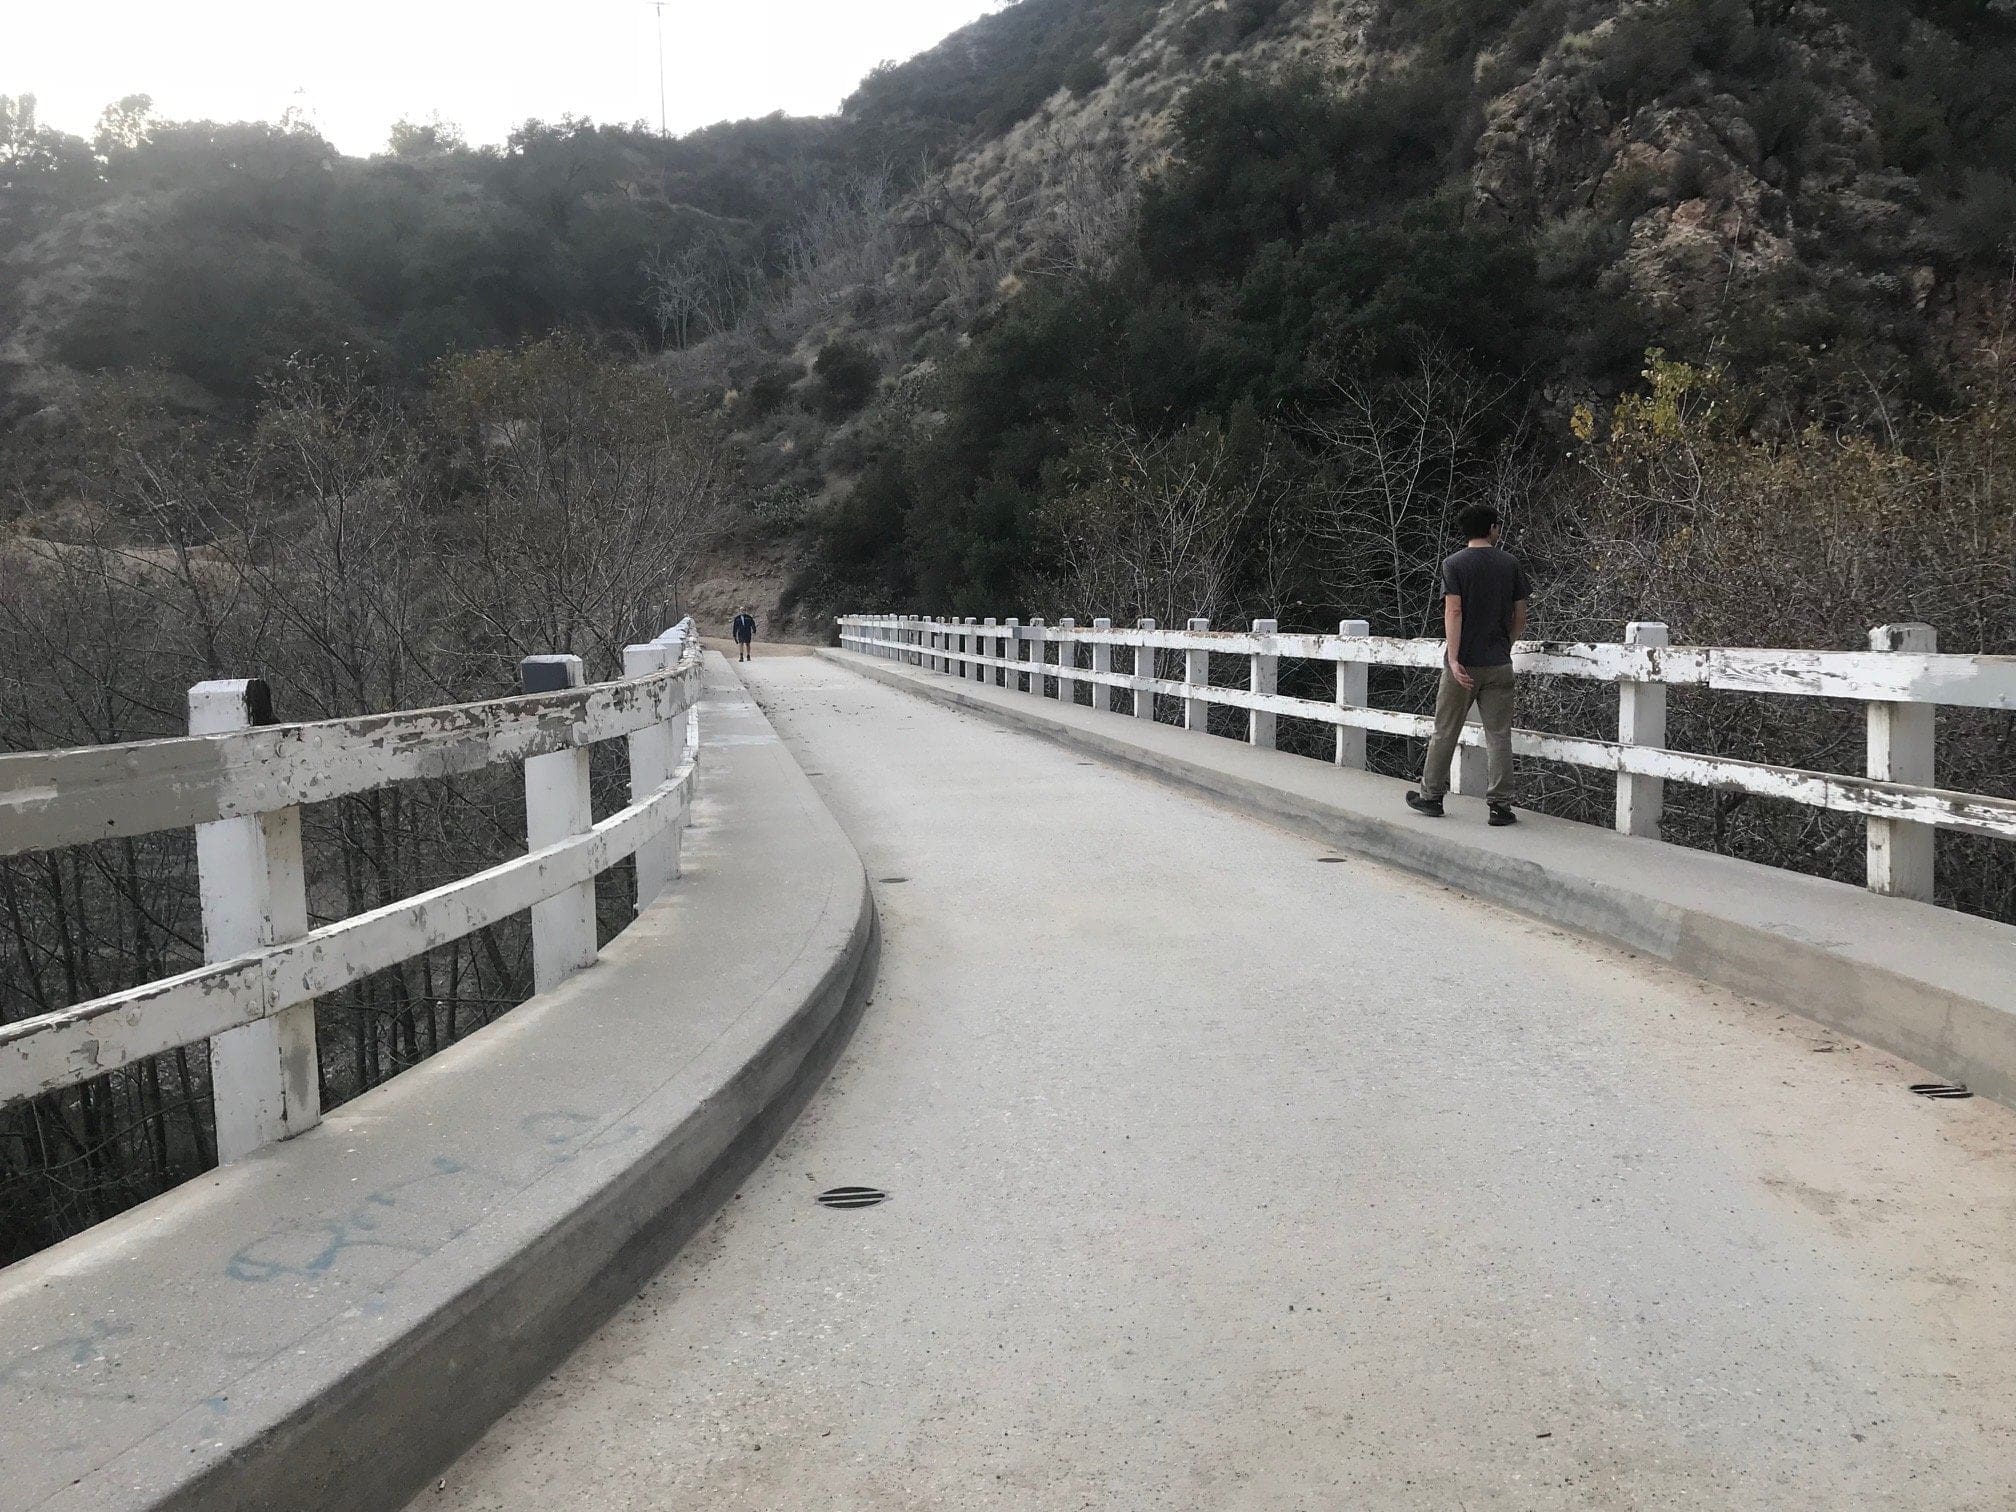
<point x="1490" y="582"/>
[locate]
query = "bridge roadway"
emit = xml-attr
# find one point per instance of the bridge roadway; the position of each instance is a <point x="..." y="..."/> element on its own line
<point x="1222" y="1177"/>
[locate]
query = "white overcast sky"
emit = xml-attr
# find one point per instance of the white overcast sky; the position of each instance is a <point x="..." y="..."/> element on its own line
<point x="356" y="66"/>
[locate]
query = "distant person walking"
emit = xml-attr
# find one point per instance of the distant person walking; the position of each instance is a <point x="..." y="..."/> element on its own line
<point x="1484" y="593"/>
<point x="744" y="631"/>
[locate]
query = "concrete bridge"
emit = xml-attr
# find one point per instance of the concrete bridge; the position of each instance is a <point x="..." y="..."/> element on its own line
<point x="1235" y="1139"/>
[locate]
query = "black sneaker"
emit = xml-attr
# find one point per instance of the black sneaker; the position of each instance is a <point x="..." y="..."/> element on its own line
<point x="1501" y="814"/>
<point x="1427" y="807"/>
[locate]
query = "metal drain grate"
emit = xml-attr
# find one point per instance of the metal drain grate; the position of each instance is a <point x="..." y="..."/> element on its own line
<point x="1331" y="860"/>
<point x="892" y="879"/>
<point x="1948" y="1090"/>
<point x="852" y="1197"/>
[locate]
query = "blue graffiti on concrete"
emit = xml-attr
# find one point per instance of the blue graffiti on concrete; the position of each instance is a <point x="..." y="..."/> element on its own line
<point x="77" y="1349"/>
<point x="278" y="1253"/>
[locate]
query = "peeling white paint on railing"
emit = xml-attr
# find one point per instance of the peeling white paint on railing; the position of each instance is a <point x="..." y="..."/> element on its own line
<point x="1900" y="681"/>
<point x="267" y="974"/>
<point x="67" y="797"/>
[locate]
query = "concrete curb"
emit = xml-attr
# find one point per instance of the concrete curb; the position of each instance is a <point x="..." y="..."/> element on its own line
<point x="1933" y="986"/>
<point x="587" y="1134"/>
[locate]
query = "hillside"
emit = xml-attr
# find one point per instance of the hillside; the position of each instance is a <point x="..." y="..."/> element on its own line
<point x="1080" y="213"/>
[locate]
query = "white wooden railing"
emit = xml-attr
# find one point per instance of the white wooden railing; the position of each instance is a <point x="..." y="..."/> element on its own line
<point x="240" y="780"/>
<point x="1901" y="679"/>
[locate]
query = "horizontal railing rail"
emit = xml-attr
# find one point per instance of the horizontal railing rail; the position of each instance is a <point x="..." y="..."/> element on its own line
<point x="1901" y="680"/>
<point x="240" y="782"/>
<point x="84" y="793"/>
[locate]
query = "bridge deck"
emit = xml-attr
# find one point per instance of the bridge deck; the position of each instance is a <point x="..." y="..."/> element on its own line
<point x="1223" y="1177"/>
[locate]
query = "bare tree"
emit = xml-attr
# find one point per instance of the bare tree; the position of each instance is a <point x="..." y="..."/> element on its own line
<point x="699" y="290"/>
<point x="597" y="495"/>
<point x="847" y="239"/>
<point x="1159" y="527"/>
<point x="1397" y="460"/>
<point x="1086" y="213"/>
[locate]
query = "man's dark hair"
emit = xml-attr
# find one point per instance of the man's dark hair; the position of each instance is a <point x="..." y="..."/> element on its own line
<point x="1476" y="520"/>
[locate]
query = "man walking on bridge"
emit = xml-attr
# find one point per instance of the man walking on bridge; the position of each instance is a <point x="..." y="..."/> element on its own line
<point x="744" y="631"/>
<point x="1484" y="593"/>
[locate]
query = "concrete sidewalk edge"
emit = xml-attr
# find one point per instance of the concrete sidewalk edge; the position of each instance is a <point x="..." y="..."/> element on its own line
<point x="1960" y="1033"/>
<point x="407" y="1412"/>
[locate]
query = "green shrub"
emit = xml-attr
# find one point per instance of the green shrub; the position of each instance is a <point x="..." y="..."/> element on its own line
<point x="1654" y="47"/>
<point x="1085" y="76"/>
<point x="845" y="374"/>
<point x="1979" y="222"/>
<point x="768" y="390"/>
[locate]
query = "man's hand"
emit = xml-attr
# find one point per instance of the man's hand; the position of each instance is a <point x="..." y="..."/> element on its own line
<point x="1452" y="635"/>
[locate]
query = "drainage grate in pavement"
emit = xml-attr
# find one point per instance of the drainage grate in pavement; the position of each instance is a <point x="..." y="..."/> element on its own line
<point x="1330" y="859"/>
<point x="1949" y="1090"/>
<point x="851" y="1197"/>
<point x="892" y="879"/>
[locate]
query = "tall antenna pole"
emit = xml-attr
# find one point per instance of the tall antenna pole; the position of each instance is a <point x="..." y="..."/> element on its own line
<point x="659" y="7"/>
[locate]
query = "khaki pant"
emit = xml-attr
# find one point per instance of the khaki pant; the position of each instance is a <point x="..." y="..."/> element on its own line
<point x="1493" y="697"/>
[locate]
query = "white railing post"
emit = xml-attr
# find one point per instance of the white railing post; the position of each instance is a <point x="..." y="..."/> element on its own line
<point x="1472" y="773"/>
<point x="1102" y="664"/>
<point x="990" y="645"/>
<point x="651" y="760"/>
<point x="1641" y="720"/>
<point x="557" y="806"/>
<point x="1144" y="673"/>
<point x="263" y="1080"/>
<point x="1038" y="655"/>
<point x="1067" y="661"/>
<point x="966" y="651"/>
<point x="678" y="729"/>
<point x="1470" y="770"/>
<point x="1263" y="678"/>
<point x="1902" y="737"/>
<point x="1197" y="674"/>
<point x="1354" y="682"/>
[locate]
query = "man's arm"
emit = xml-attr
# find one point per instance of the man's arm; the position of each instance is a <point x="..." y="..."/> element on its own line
<point x="1519" y="620"/>
<point x="1452" y="631"/>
